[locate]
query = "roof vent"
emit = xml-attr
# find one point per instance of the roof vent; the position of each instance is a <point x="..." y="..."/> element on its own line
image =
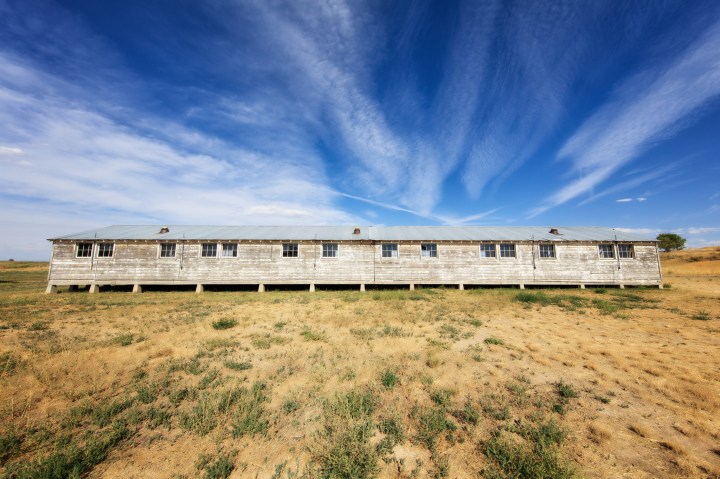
<point x="164" y="230"/>
<point x="356" y="231"/>
<point x="554" y="231"/>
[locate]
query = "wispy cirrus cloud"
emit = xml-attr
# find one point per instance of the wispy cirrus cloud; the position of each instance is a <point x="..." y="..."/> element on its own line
<point x="647" y="108"/>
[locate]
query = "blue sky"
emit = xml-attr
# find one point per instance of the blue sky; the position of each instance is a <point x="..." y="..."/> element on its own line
<point x="330" y="112"/>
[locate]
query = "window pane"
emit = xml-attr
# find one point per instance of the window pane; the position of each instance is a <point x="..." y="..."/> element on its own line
<point x="547" y="250"/>
<point x="290" y="250"/>
<point x="428" y="250"/>
<point x="606" y="251"/>
<point x="625" y="251"/>
<point x="209" y="250"/>
<point x="105" y="250"/>
<point x="84" y="250"/>
<point x="229" y="250"/>
<point x="389" y="250"/>
<point x="167" y="250"/>
<point x="507" y="250"/>
<point x="330" y="250"/>
<point x="487" y="250"/>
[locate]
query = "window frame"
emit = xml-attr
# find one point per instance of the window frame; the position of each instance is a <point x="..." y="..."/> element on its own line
<point x="514" y="250"/>
<point x="603" y="255"/>
<point x="391" y="248"/>
<point x="630" y="248"/>
<point x="553" y="251"/>
<point x="290" y="250"/>
<point x="224" y="248"/>
<point x="482" y="251"/>
<point x="205" y="247"/>
<point x="428" y="250"/>
<point x="333" y="248"/>
<point x="163" y="249"/>
<point x="84" y="250"/>
<point x="102" y="251"/>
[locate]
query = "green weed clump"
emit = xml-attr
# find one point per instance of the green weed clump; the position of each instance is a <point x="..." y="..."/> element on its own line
<point x="224" y="323"/>
<point x="389" y="378"/>
<point x="495" y="341"/>
<point x="123" y="339"/>
<point x="431" y="424"/>
<point x="311" y="335"/>
<point x="238" y="365"/>
<point x="219" y="467"/>
<point x="343" y="449"/>
<point x="9" y="445"/>
<point x="528" y="451"/>
<point x="701" y="316"/>
<point x="250" y="415"/>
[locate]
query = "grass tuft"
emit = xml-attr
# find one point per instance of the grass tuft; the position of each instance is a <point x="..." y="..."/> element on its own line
<point x="224" y="324"/>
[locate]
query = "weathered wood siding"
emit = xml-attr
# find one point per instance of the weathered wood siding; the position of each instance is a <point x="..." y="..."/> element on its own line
<point x="357" y="262"/>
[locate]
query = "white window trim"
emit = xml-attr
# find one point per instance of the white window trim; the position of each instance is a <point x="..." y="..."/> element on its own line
<point x="208" y="257"/>
<point x="437" y="254"/>
<point x="499" y="251"/>
<point x="632" y="252"/>
<point x="77" y="250"/>
<point x="282" y="251"/>
<point x="337" y="250"/>
<point x="221" y="251"/>
<point x="488" y="258"/>
<point x="97" y="250"/>
<point x="554" y="257"/>
<point x="160" y="256"/>
<point x="603" y="258"/>
<point x="390" y="258"/>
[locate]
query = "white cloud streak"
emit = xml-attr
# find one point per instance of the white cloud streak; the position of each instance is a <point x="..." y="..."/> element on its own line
<point x="647" y="108"/>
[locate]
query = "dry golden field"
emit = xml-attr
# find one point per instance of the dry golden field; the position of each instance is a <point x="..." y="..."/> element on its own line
<point x="493" y="383"/>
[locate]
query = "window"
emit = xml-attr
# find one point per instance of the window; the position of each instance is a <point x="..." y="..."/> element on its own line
<point x="290" y="250"/>
<point x="209" y="250"/>
<point x="547" y="250"/>
<point x="389" y="250"/>
<point x="428" y="250"/>
<point x="84" y="250"/>
<point x="167" y="250"/>
<point x="626" y="251"/>
<point x="606" y="251"/>
<point x="105" y="250"/>
<point x="507" y="250"/>
<point x="330" y="250"/>
<point x="229" y="250"/>
<point x="487" y="250"/>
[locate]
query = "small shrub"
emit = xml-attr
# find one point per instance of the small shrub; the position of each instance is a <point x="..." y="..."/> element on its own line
<point x="249" y="416"/>
<point x="209" y="378"/>
<point x="468" y="414"/>
<point x="495" y="341"/>
<point x="123" y="339"/>
<point x="431" y="424"/>
<point x="224" y="324"/>
<point x="701" y="316"/>
<point x="442" y="397"/>
<point x="290" y="406"/>
<point x="565" y="390"/>
<point x="147" y="393"/>
<point x="38" y="326"/>
<point x="389" y="379"/>
<point x="238" y="365"/>
<point x="218" y="468"/>
<point x="9" y="445"/>
<point x="310" y="335"/>
<point x="394" y="434"/>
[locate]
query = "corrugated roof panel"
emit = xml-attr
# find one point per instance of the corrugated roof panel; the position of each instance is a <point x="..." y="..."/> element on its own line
<point x="345" y="233"/>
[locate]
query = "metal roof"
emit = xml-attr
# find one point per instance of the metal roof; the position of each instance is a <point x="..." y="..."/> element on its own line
<point x="343" y="233"/>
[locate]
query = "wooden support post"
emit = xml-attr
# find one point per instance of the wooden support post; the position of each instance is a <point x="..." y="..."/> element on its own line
<point x="660" y="286"/>
<point x="582" y="285"/>
<point x="261" y="288"/>
<point x="461" y="287"/>
<point x="622" y="286"/>
<point x="199" y="288"/>
<point x="94" y="288"/>
<point x="362" y="287"/>
<point x="137" y="288"/>
<point x="412" y="287"/>
<point x="312" y="288"/>
<point x="51" y="288"/>
<point x="522" y="286"/>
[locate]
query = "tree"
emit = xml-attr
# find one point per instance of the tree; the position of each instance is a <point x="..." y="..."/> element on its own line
<point x="670" y="242"/>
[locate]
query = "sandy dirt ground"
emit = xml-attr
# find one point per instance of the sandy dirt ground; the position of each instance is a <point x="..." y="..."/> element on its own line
<point x="171" y="384"/>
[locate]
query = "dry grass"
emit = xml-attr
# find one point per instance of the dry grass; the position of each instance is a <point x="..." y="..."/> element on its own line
<point x="430" y="383"/>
